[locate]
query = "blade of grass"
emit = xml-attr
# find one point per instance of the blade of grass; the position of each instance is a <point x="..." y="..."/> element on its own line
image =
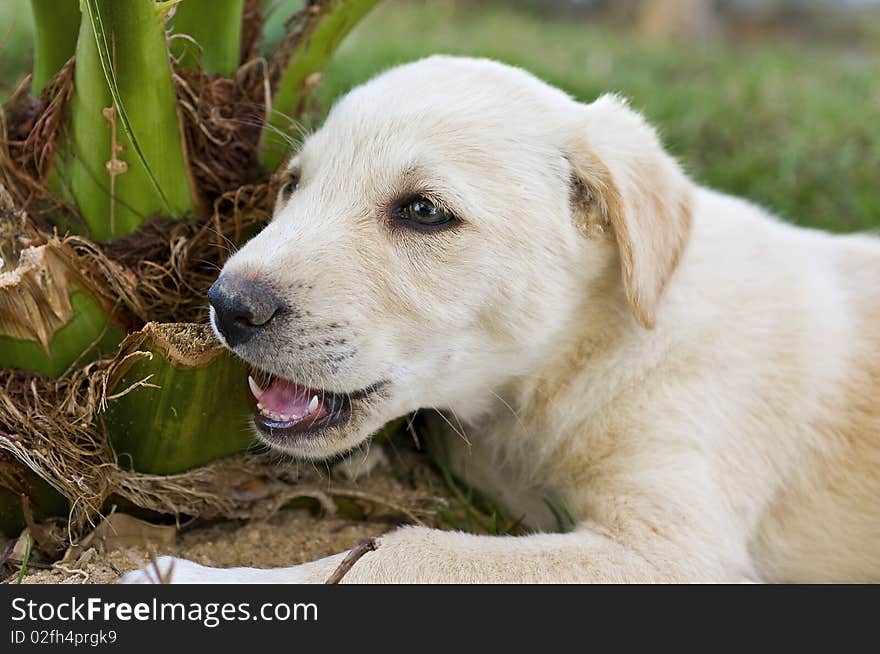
<point x="24" y="562"/>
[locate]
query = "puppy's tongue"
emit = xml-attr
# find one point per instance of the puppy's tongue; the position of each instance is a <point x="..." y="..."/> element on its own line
<point x="286" y="401"/>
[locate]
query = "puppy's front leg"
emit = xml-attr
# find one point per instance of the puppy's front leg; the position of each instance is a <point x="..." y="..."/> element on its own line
<point x="421" y="555"/>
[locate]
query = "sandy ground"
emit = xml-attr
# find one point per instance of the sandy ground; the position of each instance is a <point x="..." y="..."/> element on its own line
<point x="289" y="537"/>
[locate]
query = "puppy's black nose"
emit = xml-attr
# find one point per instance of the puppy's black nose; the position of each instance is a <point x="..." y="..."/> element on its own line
<point x="242" y="307"/>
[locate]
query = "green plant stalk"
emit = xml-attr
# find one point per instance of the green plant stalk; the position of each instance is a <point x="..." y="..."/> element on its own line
<point x="123" y="88"/>
<point x="215" y="26"/>
<point x="337" y="18"/>
<point x="56" y="25"/>
<point x="199" y="412"/>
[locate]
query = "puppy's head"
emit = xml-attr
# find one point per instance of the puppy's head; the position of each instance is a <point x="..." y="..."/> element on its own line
<point x="433" y="239"/>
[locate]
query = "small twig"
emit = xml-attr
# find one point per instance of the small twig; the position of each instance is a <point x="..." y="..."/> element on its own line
<point x="367" y="545"/>
<point x="161" y="577"/>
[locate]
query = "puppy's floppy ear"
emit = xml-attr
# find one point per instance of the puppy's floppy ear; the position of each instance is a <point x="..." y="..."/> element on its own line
<point x="628" y="183"/>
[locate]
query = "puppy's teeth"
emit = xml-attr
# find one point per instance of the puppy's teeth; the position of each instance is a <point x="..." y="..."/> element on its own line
<point x="255" y="388"/>
<point x="260" y="406"/>
<point x="285" y="418"/>
<point x="313" y="404"/>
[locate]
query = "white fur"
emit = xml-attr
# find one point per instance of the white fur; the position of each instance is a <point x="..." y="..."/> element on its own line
<point x="694" y="381"/>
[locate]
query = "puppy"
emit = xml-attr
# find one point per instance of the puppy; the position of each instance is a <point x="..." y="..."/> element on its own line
<point x="694" y="382"/>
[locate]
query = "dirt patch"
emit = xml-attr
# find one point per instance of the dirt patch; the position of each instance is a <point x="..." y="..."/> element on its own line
<point x="393" y="486"/>
<point x="291" y="536"/>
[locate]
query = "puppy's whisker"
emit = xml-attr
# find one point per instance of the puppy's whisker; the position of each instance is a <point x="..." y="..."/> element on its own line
<point x="225" y="241"/>
<point x="366" y="452"/>
<point x="210" y="264"/>
<point x="291" y="121"/>
<point x="259" y="122"/>
<point x="510" y="408"/>
<point x="451" y="426"/>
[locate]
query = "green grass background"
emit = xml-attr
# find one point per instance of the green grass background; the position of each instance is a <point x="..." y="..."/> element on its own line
<point x="794" y="127"/>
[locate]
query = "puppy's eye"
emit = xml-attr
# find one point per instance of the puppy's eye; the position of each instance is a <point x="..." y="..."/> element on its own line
<point x="290" y="185"/>
<point x="423" y="212"/>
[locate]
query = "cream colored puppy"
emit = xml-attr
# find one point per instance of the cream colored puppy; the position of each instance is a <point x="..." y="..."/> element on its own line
<point x="695" y="382"/>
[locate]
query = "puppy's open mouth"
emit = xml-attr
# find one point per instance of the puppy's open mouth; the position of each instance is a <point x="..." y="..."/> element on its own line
<point x="286" y="408"/>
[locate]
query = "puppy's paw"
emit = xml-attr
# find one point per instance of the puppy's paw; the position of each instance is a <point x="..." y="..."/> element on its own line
<point x="171" y="570"/>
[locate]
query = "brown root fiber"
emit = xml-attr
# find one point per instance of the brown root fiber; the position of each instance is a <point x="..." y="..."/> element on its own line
<point x="163" y="270"/>
<point x="251" y="28"/>
<point x="298" y="28"/>
<point x="29" y="131"/>
<point x="222" y="121"/>
<point x="48" y="427"/>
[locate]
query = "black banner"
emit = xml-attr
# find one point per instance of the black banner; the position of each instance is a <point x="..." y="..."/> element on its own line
<point x="173" y="618"/>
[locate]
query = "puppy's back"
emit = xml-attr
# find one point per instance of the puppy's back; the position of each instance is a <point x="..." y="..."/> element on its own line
<point x="825" y="525"/>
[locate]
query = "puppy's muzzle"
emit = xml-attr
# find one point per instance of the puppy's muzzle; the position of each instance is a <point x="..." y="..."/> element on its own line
<point x="242" y="308"/>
